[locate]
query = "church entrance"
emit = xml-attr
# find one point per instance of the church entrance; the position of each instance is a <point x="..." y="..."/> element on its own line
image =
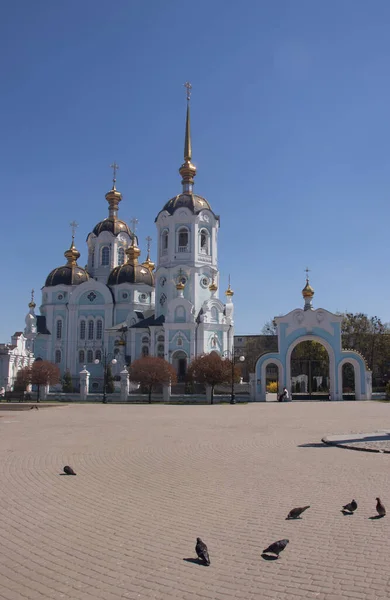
<point x="179" y="362"/>
<point x="310" y="378"/>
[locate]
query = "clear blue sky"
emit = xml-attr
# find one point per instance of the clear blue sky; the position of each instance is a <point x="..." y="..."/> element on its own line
<point x="291" y="137"/>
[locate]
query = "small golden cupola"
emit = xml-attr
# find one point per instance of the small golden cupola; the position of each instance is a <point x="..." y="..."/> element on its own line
<point x="131" y="271"/>
<point x="229" y="292"/>
<point x="112" y="223"/>
<point x="149" y="264"/>
<point x="308" y="293"/>
<point x="32" y="304"/>
<point x="213" y="286"/>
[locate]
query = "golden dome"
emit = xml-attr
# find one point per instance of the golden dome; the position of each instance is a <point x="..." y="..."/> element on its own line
<point x="229" y="292"/>
<point x="121" y="343"/>
<point x="307" y="291"/>
<point x="31" y="305"/>
<point x="133" y="252"/>
<point x="213" y="286"/>
<point x="180" y="285"/>
<point x="72" y="255"/>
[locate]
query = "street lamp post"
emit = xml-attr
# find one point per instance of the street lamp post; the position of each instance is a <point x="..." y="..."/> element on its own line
<point x="107" y="358"/>
<point x="234" y="358"/>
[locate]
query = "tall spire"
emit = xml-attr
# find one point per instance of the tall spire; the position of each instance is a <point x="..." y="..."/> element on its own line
<point x="72" y="254"/>
<point x="113" y="197"/>
<point x="133" y="251"/>
<point x="187" y="169"/>
<point x="149" y="264"/>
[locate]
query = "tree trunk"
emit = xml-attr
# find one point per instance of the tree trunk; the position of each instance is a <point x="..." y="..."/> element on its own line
<point x="150" y="394"/>
<point x="212" y="395"/>
<point x="38" y="398"/>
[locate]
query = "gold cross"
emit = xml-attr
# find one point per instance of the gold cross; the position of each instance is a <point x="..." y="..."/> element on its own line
<point x="307" y="271"/>
<point x="188" y="87"/>
<point x="114" y="167"/>
<point x="74" y="226"/>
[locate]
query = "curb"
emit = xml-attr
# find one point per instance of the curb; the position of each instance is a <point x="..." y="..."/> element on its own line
<point x="348" y="447"/>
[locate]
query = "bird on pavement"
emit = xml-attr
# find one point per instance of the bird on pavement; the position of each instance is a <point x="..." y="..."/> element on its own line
<point x="351" y="507"/>
<point x="295" y="513"/>
<point x="380" y="509"/>
<point x="276" y="547"/>
<point x="68" y="470"/>
<point x="202" y="552"/>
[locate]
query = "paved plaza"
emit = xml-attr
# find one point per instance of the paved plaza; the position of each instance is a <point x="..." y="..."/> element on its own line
<point x="150" y="479"/>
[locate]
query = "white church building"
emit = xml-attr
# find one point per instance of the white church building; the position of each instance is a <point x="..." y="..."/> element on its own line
<point x="121" y="307"/>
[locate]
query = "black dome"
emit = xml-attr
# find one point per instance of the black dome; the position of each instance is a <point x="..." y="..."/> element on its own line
<point x="129" y="273"/>
<point x="67" y="275"/>
<point x="114" y="226"/>
<point x="193" y="202"/>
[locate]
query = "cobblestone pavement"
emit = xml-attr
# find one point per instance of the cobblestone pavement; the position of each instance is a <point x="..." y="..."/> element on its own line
<point x="150" y="479"/>
<point x="376" y="441"/>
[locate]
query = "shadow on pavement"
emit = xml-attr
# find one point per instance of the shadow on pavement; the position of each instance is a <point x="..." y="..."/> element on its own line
<point x="196" y="561"/>
<point x="269" y="557"/>
<point x="313" y="445"/>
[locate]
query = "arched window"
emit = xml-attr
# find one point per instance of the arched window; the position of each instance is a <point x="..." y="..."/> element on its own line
<point x="90" y="329"/>
<point x="145" y="351"/>
<point x="180" y="314"/>
<point x="99" y="329"/>
<point x="204" y="239"/>
<point x="214" y="314"/>
<point x="58" y="356"/>
<point x="81" y="357"/>
<point x="164" y="242"/>
<point x="160" y="350"/>
<point x="98" y="355"/>
<point x="89" y="356"/>
<point x="145" y="339"/>
<point x="59" y="329"/>
<point x="161" y="338"/>
<point x="105" y="261"/>
<point x="82" y="330"/>
<point x="121" y="256"/>
<point x="182" y="239"/>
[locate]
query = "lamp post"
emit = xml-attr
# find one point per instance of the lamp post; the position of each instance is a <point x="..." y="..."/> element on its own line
<point x="234" y="359"/>
<point x="107" y="358"/>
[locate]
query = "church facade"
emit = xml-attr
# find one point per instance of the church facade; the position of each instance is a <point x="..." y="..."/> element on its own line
<point x="119" y="307"/>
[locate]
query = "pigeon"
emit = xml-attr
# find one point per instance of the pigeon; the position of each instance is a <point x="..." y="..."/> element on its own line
<point x="295" y="513"/>
<point x="68" y="470"/>
<point x="202" y="552"/>
<point x="351" y="507"/>
<point x="380" y="509"/>
<point x="276" y="547"/>
<point x="32" y="407"/>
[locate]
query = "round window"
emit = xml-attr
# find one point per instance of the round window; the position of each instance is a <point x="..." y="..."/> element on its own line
<point x="60" y="296"/>
<point x="142" y="297"/>
<point x="204" y="282"/>
<point x="125" y="295"/>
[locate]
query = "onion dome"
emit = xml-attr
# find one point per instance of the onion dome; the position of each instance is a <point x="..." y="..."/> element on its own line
<point x="307" y="291"/>
<point x="69" y="274"/>
<point x="213" y="286"/>
<point x="131" y="271"/>
<point x="188" y="200"/>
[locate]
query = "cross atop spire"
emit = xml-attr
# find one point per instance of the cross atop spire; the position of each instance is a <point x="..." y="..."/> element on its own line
<point x="188" y="87"/>
<point x="134" y="223"/>
<point x="74" y="226"/>
<point x="148" y="240"/>
<point x="32" y="302"/>
<point x="32" y="295"/>
<point x="114" y="168"/>
<point x="307" y="271"/>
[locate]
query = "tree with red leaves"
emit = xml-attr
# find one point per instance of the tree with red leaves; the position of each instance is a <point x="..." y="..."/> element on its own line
<point x="43" y="372"/>
<point x="212" y="370"/>
<point x="150" y="371"/>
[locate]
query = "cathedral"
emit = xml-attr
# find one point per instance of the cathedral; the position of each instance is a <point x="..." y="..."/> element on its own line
<point x="119" y="308"/>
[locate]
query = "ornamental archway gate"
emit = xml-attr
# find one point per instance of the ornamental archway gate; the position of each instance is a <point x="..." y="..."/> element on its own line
<point x="322" y="327"/>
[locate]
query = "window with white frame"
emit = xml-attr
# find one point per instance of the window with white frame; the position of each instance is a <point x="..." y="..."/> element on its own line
<point x="105" y="256"/>
<point x="145" y="339"/>
<point x="204" y="241"/>
<point x="82" y="330"/>
<point x="161" y="338"/>
<point x="145" y="350"/>
<point x="98" y="355"/>
<point x="59" y="329"/>
<point x="160" y="350"/>
<point x="180" y="314"/>
<point x="121" y="256"/>
<point x="182" y="239"/>
<point x="81" y="357"/>
<point x="90" y="329"/>
<point x="58" y="356"/>
<point x="89" y="356"/>
<point x="164" y="241"/>
<point x="99" y="329"/>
